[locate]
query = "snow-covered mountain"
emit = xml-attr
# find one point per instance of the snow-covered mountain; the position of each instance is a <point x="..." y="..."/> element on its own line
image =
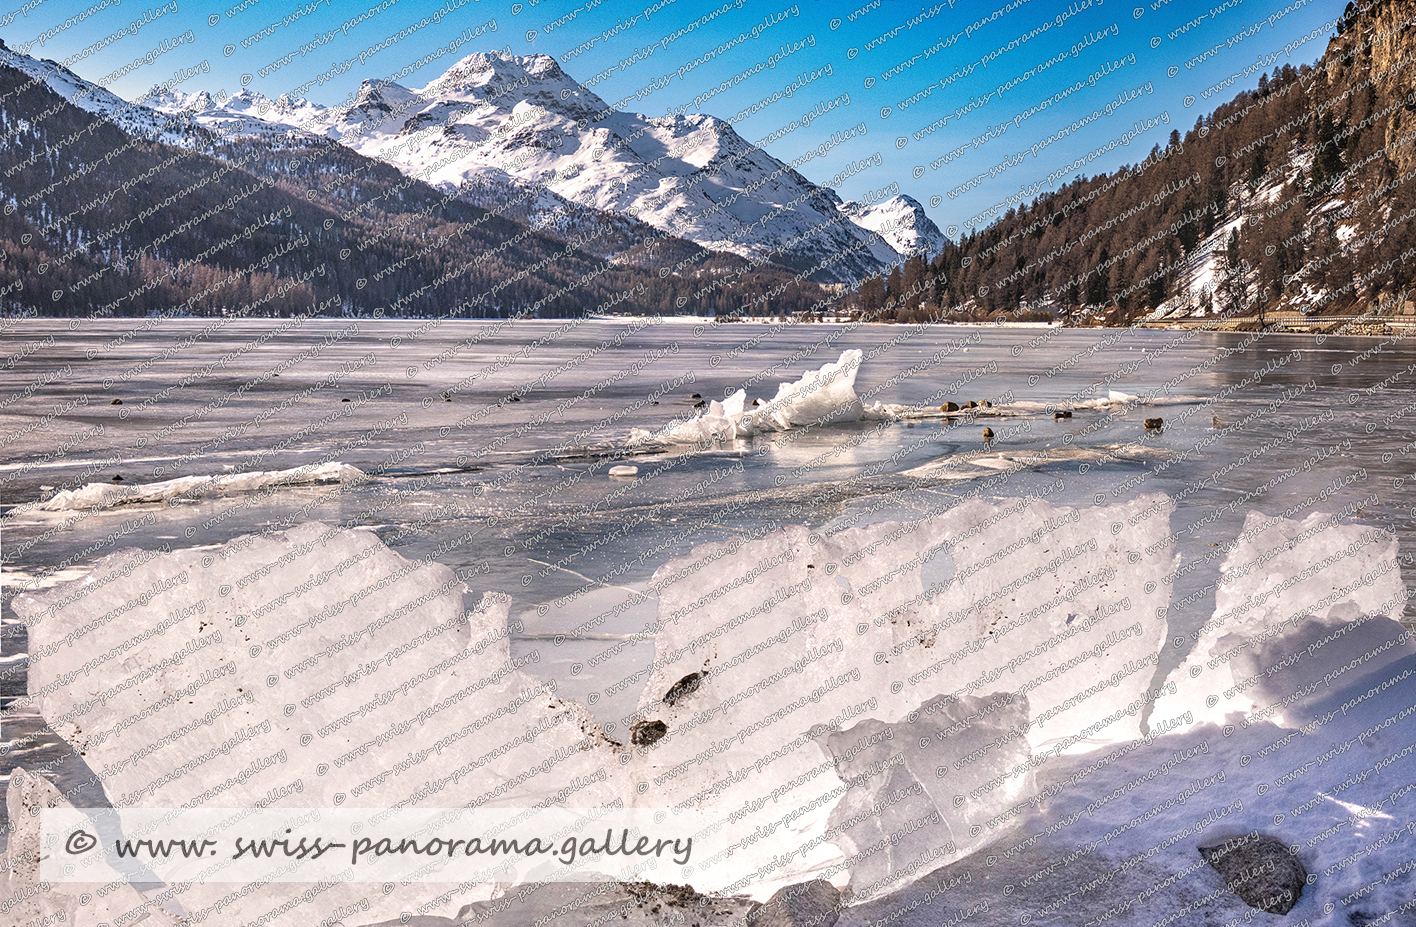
<point x="498" y="121"/>
<point x="135" y="118"/>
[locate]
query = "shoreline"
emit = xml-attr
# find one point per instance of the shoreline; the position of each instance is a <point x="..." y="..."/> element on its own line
<point x="1403" y="328"/>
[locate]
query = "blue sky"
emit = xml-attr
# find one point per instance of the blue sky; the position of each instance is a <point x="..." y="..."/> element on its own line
<point x="970" y="106"/>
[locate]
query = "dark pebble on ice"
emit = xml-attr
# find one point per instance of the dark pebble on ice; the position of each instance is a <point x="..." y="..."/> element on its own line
<point x="513" y="399"/>
<point x="970" y="405"/>
<point x="816" y="903"/>
<point x="118" y="479"/>
<point x="1153" y="424"/>
<point x="683" y="688"/>
<point x="695" y="396"/>
<point x="988" y="434"/>
<point x="984" y="403"/>
<point x="949" y="407"/>
<point x="699" y="404"/>
<point x="116" y="402"/>
<point x="1065" y="413"/>
<point x="346" y="399"/>
<point x="644" y="733"/>
<point x="1260" y="869"/>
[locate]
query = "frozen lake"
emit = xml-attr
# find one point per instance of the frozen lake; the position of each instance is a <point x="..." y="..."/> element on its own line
<point x="487" y="448"/>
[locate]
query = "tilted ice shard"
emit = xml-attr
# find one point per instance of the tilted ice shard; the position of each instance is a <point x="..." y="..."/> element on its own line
<point x="899" y="817"/>
<point x="1303" y="608"/>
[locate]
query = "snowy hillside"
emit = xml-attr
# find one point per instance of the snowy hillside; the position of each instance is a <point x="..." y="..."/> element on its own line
<point x="134" y="118"/>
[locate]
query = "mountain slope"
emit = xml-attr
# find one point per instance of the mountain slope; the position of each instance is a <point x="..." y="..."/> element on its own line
<point x="500" y="120"/>
<point x="101" y="221"/>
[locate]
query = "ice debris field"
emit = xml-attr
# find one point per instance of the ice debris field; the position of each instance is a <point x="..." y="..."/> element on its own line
<point x="953" y="719"/>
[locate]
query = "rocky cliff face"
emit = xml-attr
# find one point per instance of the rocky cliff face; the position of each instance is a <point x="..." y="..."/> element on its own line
<point x="1376" y="48"/>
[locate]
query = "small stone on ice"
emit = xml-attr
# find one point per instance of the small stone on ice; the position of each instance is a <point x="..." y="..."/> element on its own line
<point x="624" y="471"/>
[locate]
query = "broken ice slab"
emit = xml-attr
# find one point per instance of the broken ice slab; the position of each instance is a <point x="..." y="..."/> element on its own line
<point x="906" y="810"/>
